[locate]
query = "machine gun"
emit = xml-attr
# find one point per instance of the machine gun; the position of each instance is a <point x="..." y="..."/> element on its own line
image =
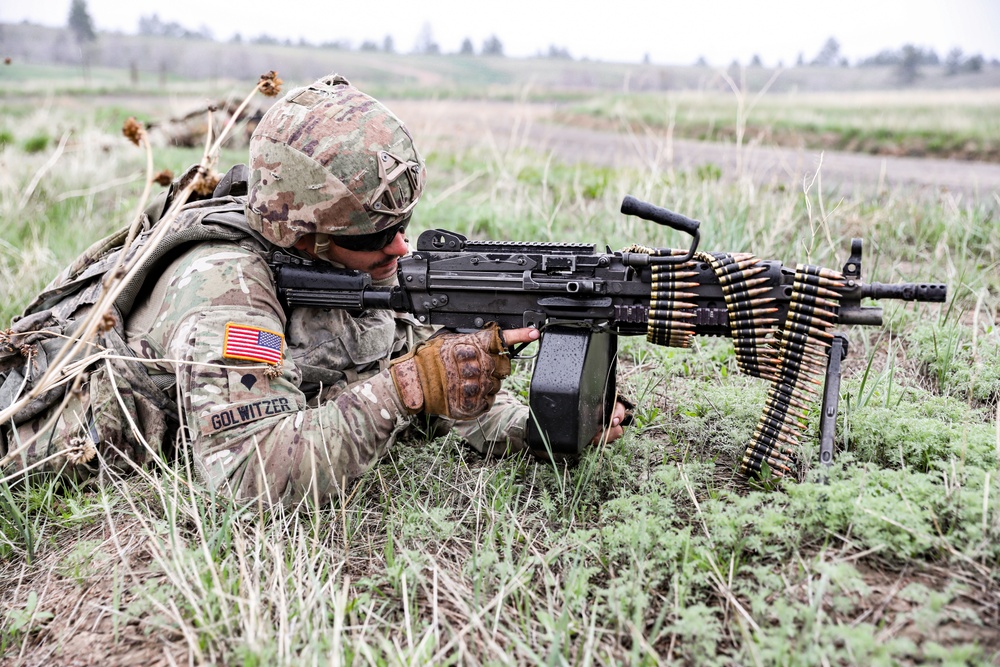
<point x="781" y="319"/>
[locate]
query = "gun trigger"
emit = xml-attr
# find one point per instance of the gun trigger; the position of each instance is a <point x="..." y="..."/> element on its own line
<point x="515" y="350"/>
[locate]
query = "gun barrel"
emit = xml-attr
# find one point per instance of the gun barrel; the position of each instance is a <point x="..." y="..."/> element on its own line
<point x="934" y="292"/>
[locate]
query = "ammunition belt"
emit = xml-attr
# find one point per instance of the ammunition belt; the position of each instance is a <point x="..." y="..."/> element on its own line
<point x="670" y="307"/>
<point x="802" y="346"/>
<point x="749" y="312"/>
<point x="790" y="358"/>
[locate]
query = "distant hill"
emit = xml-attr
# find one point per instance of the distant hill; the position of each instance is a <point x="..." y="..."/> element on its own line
<point x="151" y="59"/>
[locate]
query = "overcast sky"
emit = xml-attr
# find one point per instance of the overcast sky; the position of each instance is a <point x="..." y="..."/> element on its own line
<point x="670" y="31"/>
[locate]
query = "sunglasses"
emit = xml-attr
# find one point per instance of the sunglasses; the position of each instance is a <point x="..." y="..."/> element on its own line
<point x="370" y="242"/>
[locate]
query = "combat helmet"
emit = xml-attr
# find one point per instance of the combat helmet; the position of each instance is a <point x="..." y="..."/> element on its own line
<point x="330" y="160"/>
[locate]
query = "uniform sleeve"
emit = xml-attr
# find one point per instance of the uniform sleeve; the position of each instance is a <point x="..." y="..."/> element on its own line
<point x="500" y="431"/>
<point x="250" y="431"/>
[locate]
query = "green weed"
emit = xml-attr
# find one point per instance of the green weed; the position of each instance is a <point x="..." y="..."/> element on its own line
<point x="37" y="143"/>
<point x="957" y="365"/>
<point x="23" y="621"/>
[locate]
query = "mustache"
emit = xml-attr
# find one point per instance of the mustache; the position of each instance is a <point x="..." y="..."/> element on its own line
<point x="381" y="265"/>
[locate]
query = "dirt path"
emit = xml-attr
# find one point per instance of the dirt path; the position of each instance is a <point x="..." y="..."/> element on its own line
<point x="457" y="124"/>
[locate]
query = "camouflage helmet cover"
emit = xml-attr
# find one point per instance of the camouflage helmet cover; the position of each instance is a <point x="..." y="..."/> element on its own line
<point x="329" y="159"/>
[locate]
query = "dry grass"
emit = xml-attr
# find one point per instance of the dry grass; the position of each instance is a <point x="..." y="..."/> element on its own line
<point x="648" y="551"/>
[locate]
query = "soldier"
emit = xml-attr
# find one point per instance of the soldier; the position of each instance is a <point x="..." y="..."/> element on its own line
<point x="282" y="405"/>
<point x="299" y="404"/>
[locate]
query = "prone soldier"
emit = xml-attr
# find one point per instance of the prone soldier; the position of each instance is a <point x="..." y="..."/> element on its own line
<point x="297" y="403"/>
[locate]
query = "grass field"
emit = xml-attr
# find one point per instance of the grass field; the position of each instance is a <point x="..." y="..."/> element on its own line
<point x="959" y="124"/>
<point x="775" y="107"/>
<point x="648" y="551"/>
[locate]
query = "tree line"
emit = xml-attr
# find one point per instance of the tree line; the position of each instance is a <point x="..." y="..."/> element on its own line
<point x="908" y="59"/>
<point x="153" y="26"/>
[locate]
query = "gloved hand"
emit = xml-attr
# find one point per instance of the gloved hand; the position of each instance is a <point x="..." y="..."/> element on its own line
<point x="453" y="375"/>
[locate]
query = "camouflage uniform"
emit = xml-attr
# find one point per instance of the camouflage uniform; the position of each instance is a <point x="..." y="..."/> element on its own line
<point x="254" y="431"/>
<point x="326" y="161"/>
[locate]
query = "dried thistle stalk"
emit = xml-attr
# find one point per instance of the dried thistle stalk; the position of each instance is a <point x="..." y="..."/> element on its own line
<point x="164" y="177"/>
<point x="269" y="84"/>
<point x="134" y="131"/>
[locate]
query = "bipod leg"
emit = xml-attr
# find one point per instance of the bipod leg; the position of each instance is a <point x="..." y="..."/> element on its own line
<point x="831" y="400"/>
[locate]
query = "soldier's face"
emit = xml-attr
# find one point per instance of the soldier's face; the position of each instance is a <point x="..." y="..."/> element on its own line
<point x="379" y="264"/>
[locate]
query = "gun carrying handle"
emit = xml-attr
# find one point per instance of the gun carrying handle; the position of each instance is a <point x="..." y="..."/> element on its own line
<point x="661" y="216"/>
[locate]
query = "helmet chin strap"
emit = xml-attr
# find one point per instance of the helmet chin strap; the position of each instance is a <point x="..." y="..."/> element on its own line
<point x="321" y="244"/>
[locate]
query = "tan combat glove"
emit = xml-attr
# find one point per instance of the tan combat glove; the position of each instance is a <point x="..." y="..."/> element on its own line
<point x="453" y="375"/>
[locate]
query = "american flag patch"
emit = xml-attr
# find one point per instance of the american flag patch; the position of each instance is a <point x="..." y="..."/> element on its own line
<point x="252" y="344"/>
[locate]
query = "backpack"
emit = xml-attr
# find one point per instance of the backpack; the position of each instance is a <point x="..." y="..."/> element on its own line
<point x="113" y="406"/>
